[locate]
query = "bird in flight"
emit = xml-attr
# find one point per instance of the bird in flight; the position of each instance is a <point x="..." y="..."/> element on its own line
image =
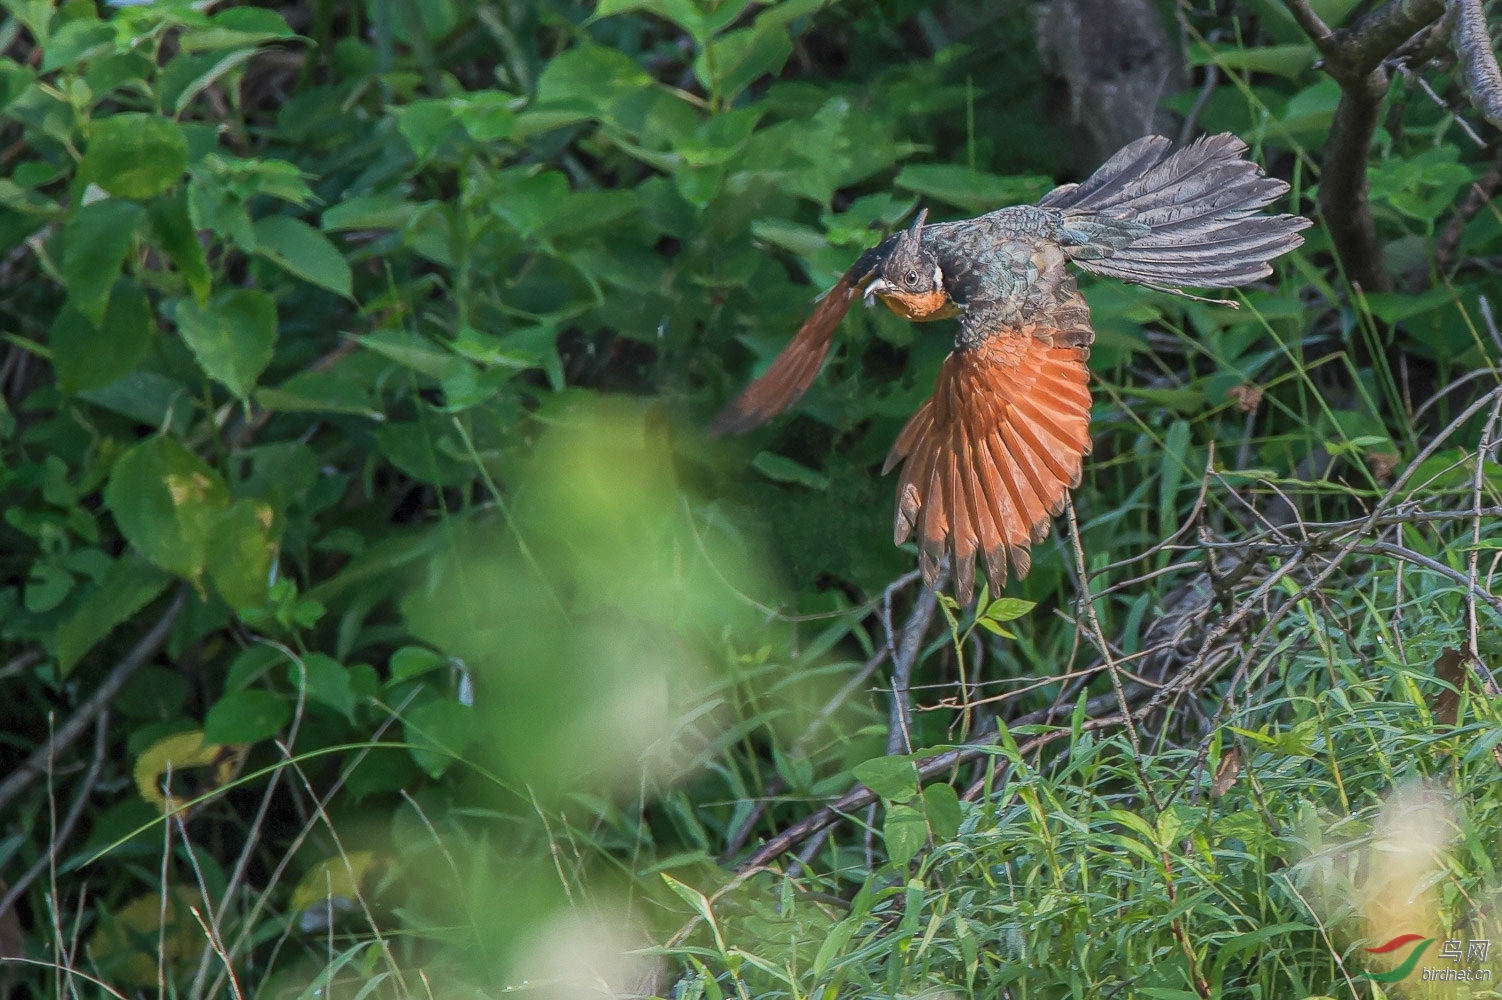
<point x="989" y="459"/>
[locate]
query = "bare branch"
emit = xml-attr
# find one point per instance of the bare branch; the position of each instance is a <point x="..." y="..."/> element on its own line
<point x="1478" y="63"/>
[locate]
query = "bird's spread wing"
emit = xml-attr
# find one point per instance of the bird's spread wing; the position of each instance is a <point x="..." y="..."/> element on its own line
<point x="990" y="458"/>
<point x="795" y="369"/>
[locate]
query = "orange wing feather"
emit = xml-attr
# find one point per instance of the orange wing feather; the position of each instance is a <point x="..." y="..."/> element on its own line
<point x="989" y="459"/>
<point x="794" y="370"/>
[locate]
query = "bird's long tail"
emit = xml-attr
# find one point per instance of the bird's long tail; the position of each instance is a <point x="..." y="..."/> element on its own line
<point x="1166" y="217"/>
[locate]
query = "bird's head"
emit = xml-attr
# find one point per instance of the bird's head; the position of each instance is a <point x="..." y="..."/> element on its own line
<point x="908" y="279"/>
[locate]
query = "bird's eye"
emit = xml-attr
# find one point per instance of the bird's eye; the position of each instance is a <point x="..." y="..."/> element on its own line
<point x="912" y="277"/>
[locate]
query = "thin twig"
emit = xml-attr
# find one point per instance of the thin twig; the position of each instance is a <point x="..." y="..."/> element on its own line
<point x="70" y="821"/>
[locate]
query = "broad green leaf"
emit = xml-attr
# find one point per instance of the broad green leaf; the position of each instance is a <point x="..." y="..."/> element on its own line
<point x="785" y="470"/>
<point x="1288" y="61"/>
<point x="905" y="832"/>
<point x="890" y="777"/>
<point x="734" y="61"/>
<point x="232" y="337"/>
<point x="383" y="211"/>
<point x="246" y="717"/>
<point x="239" y="553"/>
<point x="166" y="501"/>
<point x="77" y="41"/>
<point x="175" y="234"/>
<point x="589" y="77"/>
<point x="413" y="661"/>
<point x="326" y="681"/>
<point x="971" y="190"/>
<point x="87" y="356"/>
<point x="237" y="27"/>
<point x="303" y="250"/>
<point x="134" y="155"/>
<point x="319" y="392"/>
<point x="1007" y="609"/>
<point x="130" y="585"/>
<point x="437" y="731"/>
<point x="95" y="242"/>
<point x="941" y="805"/>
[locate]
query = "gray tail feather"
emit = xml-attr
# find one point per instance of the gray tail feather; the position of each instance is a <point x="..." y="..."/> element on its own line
<point x="1167" y="217"/>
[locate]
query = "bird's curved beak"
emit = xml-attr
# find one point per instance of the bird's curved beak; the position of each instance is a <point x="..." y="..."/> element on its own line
<point x="877" y="287"/>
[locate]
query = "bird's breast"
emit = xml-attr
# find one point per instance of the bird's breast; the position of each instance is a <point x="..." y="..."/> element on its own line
<point x="920" y="308"/>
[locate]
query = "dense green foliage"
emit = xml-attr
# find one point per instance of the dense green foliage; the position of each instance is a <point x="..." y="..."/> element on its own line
<point x="356" y="362"/>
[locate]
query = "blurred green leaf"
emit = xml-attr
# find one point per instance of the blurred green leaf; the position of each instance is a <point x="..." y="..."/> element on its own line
<point x="87" y="355"/>
<point x="135" y="155"/>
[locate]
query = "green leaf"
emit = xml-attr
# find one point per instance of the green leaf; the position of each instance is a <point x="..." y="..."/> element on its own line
<point x="1175" y="465"/>
<point x="941" y="805"/>
<point x="905" y="832"/>
<point x="130" y="584"/>
<point x="890" y="777"/>
<point x="95" y="242"/>
<point x="969" y="189"/>
<point x="734" y="61"/>
<point x="413" y="661"/>
<point x="1008" y="609"/>
<point x="76" y="41"/>
<point x="1288" y="61"/>
<point x="134" y="155"/>
<point x="175" y="234"/>
<point x="238" y="27"/>
<point x="382" y="211"/>
<point x="87" y="356"/>
<point x="303" y="250"/>
<point x="232" y="337"/>
<point x="246" y="717"/>
<point x="326" y="681"/>
<point x="437" y="732"/>
<point x="239" y="553"/>
<point x="166" y="502"/>
<point x="785" y="470"/>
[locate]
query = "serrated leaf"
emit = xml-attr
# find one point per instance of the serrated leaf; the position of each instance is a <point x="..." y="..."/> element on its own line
<point x="304" y="251"/>
<point x="95" y="242"/>
<point x="175" y="234"/>
<point x="134" y="155"/>
<point x="232" y="337"/>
